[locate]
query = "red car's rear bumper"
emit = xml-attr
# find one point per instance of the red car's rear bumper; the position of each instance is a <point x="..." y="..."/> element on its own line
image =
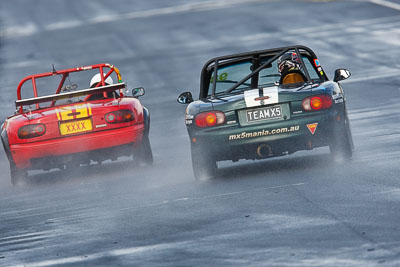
<point x="23" y="153"/>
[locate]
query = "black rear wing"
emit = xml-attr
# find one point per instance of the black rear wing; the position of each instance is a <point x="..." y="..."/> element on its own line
<point x="55" y="97"/>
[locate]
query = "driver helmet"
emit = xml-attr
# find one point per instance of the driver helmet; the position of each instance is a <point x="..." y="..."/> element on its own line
<point x="97" y="78"/>
<point x="288" y="61"/>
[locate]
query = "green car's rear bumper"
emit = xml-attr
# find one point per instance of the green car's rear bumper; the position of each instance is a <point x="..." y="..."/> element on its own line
<point x="233" y="142"/>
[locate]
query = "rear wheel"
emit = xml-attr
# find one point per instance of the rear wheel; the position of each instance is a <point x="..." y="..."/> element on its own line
<point x="18" y="176"/>
<point x="143" y="153"/>
<point x="342" y="142"/>
<point x="204" y="164"/>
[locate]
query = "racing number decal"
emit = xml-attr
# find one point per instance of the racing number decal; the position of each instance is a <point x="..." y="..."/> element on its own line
<point x="74" y="112"/>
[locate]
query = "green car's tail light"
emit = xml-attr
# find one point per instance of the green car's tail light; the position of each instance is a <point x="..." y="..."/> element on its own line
<point x="124" y="115"/>
<point x="30" y="131"/>
<point x="318" y="102"/>
<point x="209" y="119"/>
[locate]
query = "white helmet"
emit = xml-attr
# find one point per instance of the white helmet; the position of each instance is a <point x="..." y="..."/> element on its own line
<point x="97" y="78"/>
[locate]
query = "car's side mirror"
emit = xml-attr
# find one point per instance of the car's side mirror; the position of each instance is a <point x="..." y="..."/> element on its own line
<point x="136" y="92"/>
<point x="341" y="74"/>
<point x="185" y="98"/>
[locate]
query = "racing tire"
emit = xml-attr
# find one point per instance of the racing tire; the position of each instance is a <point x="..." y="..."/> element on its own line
<point x="18" y="176"/>
<point x="342" y="146"/>
<point x="144" y="153"/>
<point x="204" y="164"/>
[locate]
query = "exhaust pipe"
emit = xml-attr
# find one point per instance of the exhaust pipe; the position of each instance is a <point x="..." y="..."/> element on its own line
<point x="264" y="151"/>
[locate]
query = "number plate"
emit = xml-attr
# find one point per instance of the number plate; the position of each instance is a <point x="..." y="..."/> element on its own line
<point x="73" y="127"/>
<point x="264" y="113"/>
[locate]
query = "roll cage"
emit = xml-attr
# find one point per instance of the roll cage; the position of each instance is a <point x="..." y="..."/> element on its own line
<point x="211" y="67"/>
<point x="105" y="70"/>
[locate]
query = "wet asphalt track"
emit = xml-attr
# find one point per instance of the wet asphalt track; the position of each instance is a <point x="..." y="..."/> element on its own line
<point x="298" y="210"/>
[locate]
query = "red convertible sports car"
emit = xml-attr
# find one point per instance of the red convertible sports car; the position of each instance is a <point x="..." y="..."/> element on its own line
<point x="75" y="126"/>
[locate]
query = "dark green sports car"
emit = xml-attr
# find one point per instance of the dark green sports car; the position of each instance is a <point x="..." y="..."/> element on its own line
<point x="264" y="104"/>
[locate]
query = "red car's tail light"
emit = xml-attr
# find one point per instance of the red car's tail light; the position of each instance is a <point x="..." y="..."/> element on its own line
<point x="119" y="116"/>
<point x="317" y="102"/>
<point x="209" y="118"/>
<point x="33" y="130"/>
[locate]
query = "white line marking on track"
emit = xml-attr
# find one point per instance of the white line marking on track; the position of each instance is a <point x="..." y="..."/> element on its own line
<point x="19" y="31"/>
<point x="247" y="191"/>
<point x="32" y="239"/>
<point x="63" y="25"/>
<point x="386" y="4"/>
<point x="364" y="77"/>
<point x="142" y="249"/>
<point x="167" y="202"/>
<point x="292" y="35"/>
<point x="95" y="256"/>
<point x="31" y="29"/>
<point x="192" y="7"/>
<point x="23" y="64"/>
<point x="390" y="191"/>
<point x="24" y="236"/>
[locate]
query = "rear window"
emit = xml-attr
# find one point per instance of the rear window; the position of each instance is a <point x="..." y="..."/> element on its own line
<point x="230" y="74"/>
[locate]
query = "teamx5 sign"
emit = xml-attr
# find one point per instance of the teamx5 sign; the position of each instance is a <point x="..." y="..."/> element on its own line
<point x="265" y="113"/>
